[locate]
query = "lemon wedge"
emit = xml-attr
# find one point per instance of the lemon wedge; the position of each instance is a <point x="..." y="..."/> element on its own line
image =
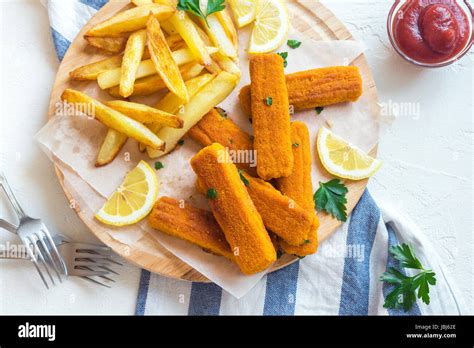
<point x="133" y="199"/>
<point x="343" y="159"/>
<point x="271" y="26"/>
<point x="244" y="11"/>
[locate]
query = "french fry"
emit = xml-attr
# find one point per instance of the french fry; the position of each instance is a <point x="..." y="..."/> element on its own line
<point x="171" y="103"/>
<point x="93" y="70"/>
<point x="107" y="44"/>
<point x="163" y="60"/>
<point x="186" y="28"/>
<point x="213" y="68"/>
<point x="175" y="42"/>
<point x="113" y="119"/>
<point x="151" y="84"/>
<point x="142" y="2"/>
<point x="226" y="64"/>
<point x="168" y="28"/>
<point x="229" y="27"/>
<point x="111" y="146"/>
<point x="111" y="77"/>
<point x="131" y="60"/>
<point x="209" y="96"/>
<point x="218" y="35"/>
<point x="131" y="20"/>
<point x="146" y="114"/>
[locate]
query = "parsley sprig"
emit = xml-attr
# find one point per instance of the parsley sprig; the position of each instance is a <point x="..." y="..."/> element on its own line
<point x="192" y="6"/>
<point x="405" y="292"/>
<point x="331" y="198"/>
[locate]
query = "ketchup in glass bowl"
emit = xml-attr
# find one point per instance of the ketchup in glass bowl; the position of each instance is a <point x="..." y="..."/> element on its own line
<point x="431" y="33"/>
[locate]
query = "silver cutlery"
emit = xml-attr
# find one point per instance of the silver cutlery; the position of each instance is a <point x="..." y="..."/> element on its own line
<point x="37" y="239"/>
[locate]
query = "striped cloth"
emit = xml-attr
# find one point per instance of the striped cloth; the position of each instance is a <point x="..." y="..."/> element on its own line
<point x="341" y="279"/>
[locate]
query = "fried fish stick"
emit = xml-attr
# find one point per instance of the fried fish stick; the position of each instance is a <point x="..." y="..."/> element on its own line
<point x="281" y="214"/>
<point x="192" y="224"/>
<point x="233" y="209"/>
<point x="271" y="117"/>
<point x="317" y="87"/>
<point x="215" y="128"/>
<point x="298" y="186"/>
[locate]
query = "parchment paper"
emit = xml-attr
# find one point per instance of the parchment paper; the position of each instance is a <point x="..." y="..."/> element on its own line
<point x="74" y="141"/>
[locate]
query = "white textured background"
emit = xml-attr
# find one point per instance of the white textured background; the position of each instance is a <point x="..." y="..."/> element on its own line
<point x="427" y="170"/>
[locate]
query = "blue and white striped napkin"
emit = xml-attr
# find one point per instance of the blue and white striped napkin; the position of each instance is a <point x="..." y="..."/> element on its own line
<point x="342" y="278"/>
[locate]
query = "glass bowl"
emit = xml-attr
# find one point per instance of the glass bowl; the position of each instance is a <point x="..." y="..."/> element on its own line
<point x="465" y="6"/>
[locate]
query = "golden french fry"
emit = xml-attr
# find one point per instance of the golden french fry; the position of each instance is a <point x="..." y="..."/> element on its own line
<point x="131" y="20"/>
<point x="111" y="77"/>
<point x="131" y="60"/>
<point x="163" y="60"/>
<point x="171" y="103"/>
<point x="168" y="28"/>
<point x="107" y="44"/>
<point x="146" y="114"/>
<point x="218" y="35"/>
<point x="213" y="68"/>
<point x="113" y="119"/>
<point x="209" y="96"/>
<point x="111" y="146"/>
<point x="186" y="28"/>
<point x="175" y="42"/>
<point x="229" y="27"/>
<point x="93" y="70"/>
<point x="226" y="64"/>
<point x="142" y="2"/>
<point x="151" y="84"/>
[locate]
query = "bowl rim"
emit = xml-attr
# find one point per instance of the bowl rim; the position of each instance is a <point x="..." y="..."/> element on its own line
<point x="397" y="4"/>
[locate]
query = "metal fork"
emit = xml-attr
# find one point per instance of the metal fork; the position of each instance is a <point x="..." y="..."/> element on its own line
<point x="37" y="240"/>
<point x="88" y="261"/>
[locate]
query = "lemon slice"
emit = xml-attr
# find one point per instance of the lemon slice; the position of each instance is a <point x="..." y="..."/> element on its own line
<point x="343" y="159"/>
<point x="271" y="26"/>
<point x="244" y="11"/>
<point x="133" y="199"/>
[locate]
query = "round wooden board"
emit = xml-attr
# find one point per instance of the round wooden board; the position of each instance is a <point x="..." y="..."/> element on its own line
<point x="309" y="17"/>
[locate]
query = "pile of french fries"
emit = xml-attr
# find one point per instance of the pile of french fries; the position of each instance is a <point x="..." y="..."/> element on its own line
<point x="155" y="47"/>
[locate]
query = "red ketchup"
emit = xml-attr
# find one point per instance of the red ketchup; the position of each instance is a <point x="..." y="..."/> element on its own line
<point x="431" y="31"/>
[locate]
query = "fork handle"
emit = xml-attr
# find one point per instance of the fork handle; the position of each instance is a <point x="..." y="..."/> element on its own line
<point x="11" y="197"/>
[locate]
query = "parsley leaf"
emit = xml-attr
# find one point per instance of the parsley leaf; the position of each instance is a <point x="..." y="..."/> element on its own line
<point x="405" y="292"/>
<point x="243" y="178"/>
<point x="331" y="198"/>
<point x="319" y="109"/>
<point x="269" y="101"/>
<point x="211" y="193"/>
<point x="284" y="55"/>
<point x="159" y="165"/>
<point x="293" y="43"/>
<point x="192" y="6"/>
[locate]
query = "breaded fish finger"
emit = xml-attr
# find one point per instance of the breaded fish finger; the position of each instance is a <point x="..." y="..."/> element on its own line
<point x="194" y="225"/>
<point x="233" y="209"/>
<point x="215" y="128"/>
<point x="317" y="87"/>
<point x="271" y="117"/>
<point x="298" y="186"/>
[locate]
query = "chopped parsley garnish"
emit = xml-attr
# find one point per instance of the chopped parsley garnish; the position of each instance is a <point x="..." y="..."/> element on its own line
<point x="243" y="178"/>
<point x="284" y="55"/>
<point x="307" y="241"/>
<point x="269" y="101"/>
<point x="211" y="193"/>
<point x="293" y="43"/>
<point x="296" y="144"/>
<point x="319" y="109"/>
<point x="159" y="165"/>
<point x="181" y="142"/>
<point x="193" y="7"/>
<point x="331" y="198"/>
<point x="222" y="112"/>
<point x="405" y="293"/>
